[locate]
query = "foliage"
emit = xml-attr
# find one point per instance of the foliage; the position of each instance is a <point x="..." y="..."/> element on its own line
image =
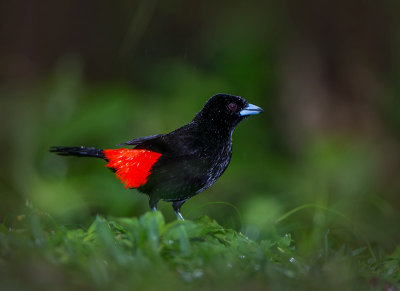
<point x="147" y="252"/>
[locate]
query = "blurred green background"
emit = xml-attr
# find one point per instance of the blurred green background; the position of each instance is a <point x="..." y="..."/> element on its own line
<point x="98" y="73"/>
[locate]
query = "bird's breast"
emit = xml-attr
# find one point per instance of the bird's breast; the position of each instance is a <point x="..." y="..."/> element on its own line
<point x="217" y="161"/>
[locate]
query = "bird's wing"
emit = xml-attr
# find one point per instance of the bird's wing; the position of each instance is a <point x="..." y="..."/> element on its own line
<point x="139" y="140"/>
<point x="182" y="142"/>
<point x="173" y="145"/>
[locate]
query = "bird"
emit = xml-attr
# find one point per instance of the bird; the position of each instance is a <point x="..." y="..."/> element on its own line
<point x="176" y="166"/>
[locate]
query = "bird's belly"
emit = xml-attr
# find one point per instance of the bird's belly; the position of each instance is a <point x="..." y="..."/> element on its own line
<point x="215" y="172"/>
<point x="174" y="180"/>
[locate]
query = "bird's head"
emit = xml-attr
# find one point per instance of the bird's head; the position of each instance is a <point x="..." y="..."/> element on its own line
<point x="226" y="110"/>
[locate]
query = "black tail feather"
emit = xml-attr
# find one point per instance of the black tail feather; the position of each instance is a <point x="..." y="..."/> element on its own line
<point x="78" y="151"/>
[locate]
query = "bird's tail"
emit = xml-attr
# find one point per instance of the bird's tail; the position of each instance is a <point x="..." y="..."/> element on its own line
<point x="78" y="151"/>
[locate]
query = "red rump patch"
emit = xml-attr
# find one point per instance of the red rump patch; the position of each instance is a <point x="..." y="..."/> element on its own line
<point x="132" y="166"/>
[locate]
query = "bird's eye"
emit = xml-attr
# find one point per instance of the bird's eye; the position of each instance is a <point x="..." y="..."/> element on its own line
<point x="232" y="106"/>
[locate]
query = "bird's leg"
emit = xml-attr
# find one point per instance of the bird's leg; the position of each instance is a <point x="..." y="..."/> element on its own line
<point x="177" y="208"/>
<point x="153" y="203"/>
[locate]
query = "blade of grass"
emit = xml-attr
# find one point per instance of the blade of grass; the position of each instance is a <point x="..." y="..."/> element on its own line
<point x="219" y="203"/>
<point x="344" y="217"/>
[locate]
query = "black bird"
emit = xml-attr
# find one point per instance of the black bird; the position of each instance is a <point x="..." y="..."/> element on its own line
<point x="180" y="164"/>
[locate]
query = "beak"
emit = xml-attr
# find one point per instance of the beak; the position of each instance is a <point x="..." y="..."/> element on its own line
<point x="250" y="109"/>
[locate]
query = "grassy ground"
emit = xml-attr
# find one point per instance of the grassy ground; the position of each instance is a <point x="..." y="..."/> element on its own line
<point x="148" y="253"/>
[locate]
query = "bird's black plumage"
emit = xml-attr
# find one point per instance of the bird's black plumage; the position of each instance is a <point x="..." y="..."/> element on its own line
<point x="192" y="157"/>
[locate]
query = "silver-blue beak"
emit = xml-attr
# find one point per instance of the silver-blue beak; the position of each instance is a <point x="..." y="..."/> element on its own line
<point x="250" y="109"/>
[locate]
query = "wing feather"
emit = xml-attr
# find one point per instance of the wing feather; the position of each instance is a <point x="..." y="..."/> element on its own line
<point x="140" y="140"/>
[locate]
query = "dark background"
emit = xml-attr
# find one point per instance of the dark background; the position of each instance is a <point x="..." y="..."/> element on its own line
<point x="98" y="73"/>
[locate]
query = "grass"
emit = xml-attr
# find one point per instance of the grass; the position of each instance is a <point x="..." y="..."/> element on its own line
<point x="148" y="253"/>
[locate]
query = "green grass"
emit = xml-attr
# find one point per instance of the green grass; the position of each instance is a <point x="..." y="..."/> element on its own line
<point x="148" y="253"/>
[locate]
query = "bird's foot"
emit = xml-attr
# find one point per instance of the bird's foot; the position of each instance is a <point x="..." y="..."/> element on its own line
<point x="179" y="216"/>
